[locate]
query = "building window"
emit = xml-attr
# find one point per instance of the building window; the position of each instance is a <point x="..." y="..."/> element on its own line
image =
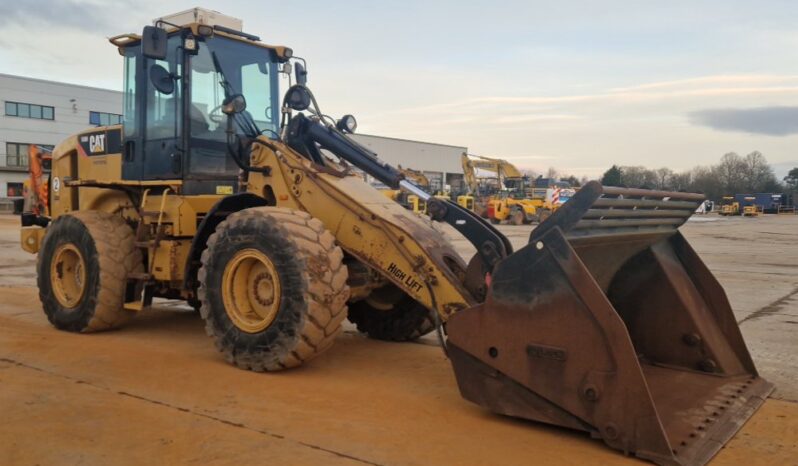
<point x="17" y="154"/>
<point x="104" y="119"/>
<point x="13" y="189"/>
<point x="37" y="112"/>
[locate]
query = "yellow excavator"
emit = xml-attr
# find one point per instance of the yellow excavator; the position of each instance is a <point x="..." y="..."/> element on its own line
<point x="215" y="191"/>
<point x="506" y="199"/>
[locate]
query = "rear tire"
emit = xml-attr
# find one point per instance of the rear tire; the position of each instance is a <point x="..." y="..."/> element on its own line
<point x="82" y="271"/>
<point x="404" y="319"/>
<point x="294" y="288"/>
<point x="517" y="217"/>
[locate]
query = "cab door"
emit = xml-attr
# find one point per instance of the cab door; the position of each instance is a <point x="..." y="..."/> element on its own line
<point x="209" y="168"/>
<point x="153" y="142"/>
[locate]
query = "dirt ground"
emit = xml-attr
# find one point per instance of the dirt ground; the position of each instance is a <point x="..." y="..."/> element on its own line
<point x="157" y="392"/>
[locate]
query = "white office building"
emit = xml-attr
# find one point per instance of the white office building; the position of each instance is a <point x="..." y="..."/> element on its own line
<point x="439" y="162"/>
<point x="42" y="112"/>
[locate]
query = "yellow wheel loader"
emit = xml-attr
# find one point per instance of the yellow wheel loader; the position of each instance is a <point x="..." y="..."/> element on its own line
<point x="750" y="209"/>
<point x="215" y="192"/>
<point x="513" y="211"/>
<point x="729" y="206"/>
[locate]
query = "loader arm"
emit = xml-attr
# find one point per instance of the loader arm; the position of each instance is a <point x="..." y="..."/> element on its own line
<point x="402" y="247"/>
<point x="490" y="244"/>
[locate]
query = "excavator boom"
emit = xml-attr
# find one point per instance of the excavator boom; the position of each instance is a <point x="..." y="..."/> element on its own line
<point x="503" y="169"/>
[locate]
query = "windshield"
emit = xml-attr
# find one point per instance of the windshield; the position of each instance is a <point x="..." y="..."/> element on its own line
<point x="248" y="69"/>
<point x="245" y="69"/>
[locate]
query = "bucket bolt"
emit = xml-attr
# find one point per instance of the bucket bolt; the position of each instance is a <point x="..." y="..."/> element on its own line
<point x="691" y="339"/>
<point x="708" y="365"/>
<point x="611" y="432"/>
<point x="591" y="393"/>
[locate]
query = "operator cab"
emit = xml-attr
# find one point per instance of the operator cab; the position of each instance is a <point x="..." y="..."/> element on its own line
<point x="177" y="87"/>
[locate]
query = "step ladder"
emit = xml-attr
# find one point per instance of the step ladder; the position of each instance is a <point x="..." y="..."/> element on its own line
<point x="148" y="242"/>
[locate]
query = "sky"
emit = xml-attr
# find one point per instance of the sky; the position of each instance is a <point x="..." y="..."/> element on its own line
<point x="575" y="85"/>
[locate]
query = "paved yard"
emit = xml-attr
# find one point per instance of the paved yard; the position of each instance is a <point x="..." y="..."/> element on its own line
<point x="157" y="391"/>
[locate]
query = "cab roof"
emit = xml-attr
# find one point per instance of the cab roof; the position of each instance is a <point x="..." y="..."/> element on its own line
<point x="283" y="53"/>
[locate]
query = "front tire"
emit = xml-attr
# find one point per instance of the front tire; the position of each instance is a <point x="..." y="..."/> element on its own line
<point x="392" y="315"/>
<point x="273" y="288"/>
<point x="82" y="271"/>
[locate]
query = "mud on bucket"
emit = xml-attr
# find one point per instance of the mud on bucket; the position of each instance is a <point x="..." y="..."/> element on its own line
<point x="609" y="322"/>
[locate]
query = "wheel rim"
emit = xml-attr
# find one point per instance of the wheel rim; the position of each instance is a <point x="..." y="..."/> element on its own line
<point x="251" y="290"/>
<point x="68" y="275"/>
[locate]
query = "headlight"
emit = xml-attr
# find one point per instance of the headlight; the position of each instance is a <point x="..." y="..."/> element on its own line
<point x="190" y="43"/>
<point x="204" y="30"/>
<point x="347" y="124"/>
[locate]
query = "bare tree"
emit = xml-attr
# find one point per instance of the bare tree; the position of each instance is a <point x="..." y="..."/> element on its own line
<point x="681" y="181"/>
<point x="638" y="177"/>
<point x="532" y="174"/>
<point x="757" y="175"/>
<point x="664" y="176"/>
<point x="730" y="172"/>
<point x="792" y="179"/>
<point x="733" y="174"/>
<point x="571" y="179"/>
<point x="706" y="180"/>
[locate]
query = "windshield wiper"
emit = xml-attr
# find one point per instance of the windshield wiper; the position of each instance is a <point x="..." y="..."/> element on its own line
<point x="248" y="125"/>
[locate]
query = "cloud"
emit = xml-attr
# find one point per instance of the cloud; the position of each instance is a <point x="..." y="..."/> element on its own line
<point x="709" y="81"/>
<point x="771" y="121"/>
<point x="572" y="106"/>
<point x="782" y="168"/>
<point x="90" y="16"/>
<point x="59" y="12"/>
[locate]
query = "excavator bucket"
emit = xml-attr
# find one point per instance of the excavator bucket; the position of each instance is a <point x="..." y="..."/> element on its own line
<point x="609" y="322"/>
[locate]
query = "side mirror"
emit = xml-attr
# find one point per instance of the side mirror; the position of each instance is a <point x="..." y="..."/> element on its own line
<point x="162" y="79"/>
<point x="301" y="74"/>
<point x="153" y="42"/>
<point x="234" y="104"/>
<point x="297" y="97"/>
